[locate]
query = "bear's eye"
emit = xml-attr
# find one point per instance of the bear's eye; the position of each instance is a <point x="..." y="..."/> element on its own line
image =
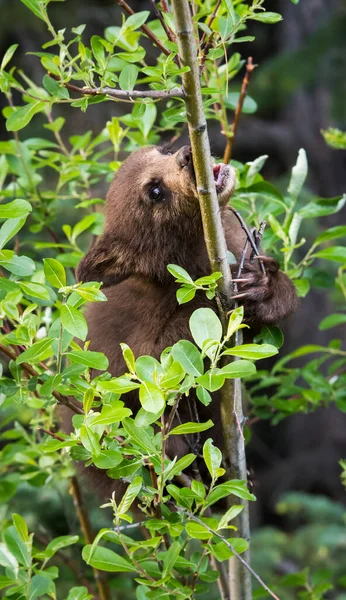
<point x="156" y="193"/>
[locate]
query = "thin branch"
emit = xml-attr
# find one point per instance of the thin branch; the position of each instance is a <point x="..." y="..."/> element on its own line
<point x="169" y="33"/>
<point x="229" y="146"/>
<point x="144" y="28"/>
<point x="123" y="94"/>
<point x="231" y="547"/>
<point x="249" y="235"/>
<point x="85" y="524"/>
<point x="206" y="49"/>
<point x="29" y="369"/>
<point x="210" y="21"/>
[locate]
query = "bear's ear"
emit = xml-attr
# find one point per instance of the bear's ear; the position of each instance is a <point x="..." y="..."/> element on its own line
<point x="105" y="261"/>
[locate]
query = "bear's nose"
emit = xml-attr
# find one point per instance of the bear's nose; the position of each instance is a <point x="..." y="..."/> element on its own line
<point x="183" y="157"/>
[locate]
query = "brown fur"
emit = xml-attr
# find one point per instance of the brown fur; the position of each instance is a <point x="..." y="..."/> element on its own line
<point x="141" y="237"/>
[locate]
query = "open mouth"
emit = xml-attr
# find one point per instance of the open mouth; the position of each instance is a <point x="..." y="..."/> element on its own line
<point x="221" y="173"/>
<point x="224" y="177"/>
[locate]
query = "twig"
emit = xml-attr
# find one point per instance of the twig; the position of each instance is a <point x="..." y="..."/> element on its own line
<point x="29" y="369"/>
<point x="229" y="146"/>
<point x="51" y="434"/>
<point x="168" y="31"/>
<point x="144" y="28"/>
<point x="172" y="414"/>
<point x="164" y="6"/>
<point x="122" y="94"/>
<point x="210" y="21"/>
<point x="231" y="547"/>
<point x="206" y="49"/>
<point x="249" y="236"/>
<point x="257" y="235"/>
<point x="83" y="517"/>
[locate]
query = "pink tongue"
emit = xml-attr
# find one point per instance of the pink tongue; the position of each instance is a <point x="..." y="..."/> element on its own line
<point x="216" y="171"/>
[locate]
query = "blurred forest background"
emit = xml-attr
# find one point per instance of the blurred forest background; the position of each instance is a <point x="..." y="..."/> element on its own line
<point x="300" y="88"/>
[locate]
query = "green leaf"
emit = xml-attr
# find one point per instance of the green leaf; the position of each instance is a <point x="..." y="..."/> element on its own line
<point x="151" y="397"/>
<point x="130" y="495"/>
<point x="37" y="352"/>
<point x="252" y="351"/>
<point x="9" y="229"/>
<point x="181" y="276"/>
<point x="36" y="290"/>
<point x="106" y="560"/>
<point x="60" y="542"/>
<point x="107" y="459"/>
<point x="15" y="209"/>
<point x="73" y="320"/>
<point x="40" y="585"/>
<point x="21" y="117"/>
<point x="98" y="50"/>
<point x="169" y="558"/>
<point x="302" y="286"/>
<point x="276" y="227"/>
<point x="331" y="234"/>
<point x="335" y="253"/>
<point x="223" y="552"/>
<point x="270" y="334"/>
<point x="16" y="546"/>
<point x="185" y="294"/>
<point x="332" y="321"/>
<point x="91" y="294"/>
<point x="119" y="385"/>
<point x="148" y="368"/>
<point x="21" y="527"/>
<point x="79" y="593"/>
<point x="135" y="21"/>
<point x="322" y="207"/>
<point x="110" y="413"/>
<point x="18" y="265"/>
<point x="179" y="466"/>
<point x="190" y="427"/>
<point x="231" y="514"/>
<point x="235" y="487"/>
<point x="34" y="6"/>
<point x="92" y="360"/>
<point x="188" y="356"/>
<point x="212" y="457"/>
<point x="203" y="396"/>
<point x="235" y="321"/>
<point x="128" y="357"/>
<point x="8" y="55"/>
<point x="139" y="436"/>
<point x="7" y="559"/>
<point x="299" y="174"/>
<point x="172" y="376"/>
<point x="266" y="17"/>
<point x="205" y="325"/>
<point x="54" y="272"/>
<point x="249" y="106"/>
<point x="148" y="119"/>
<point x="197" y="531"/>
<point x="128" y="77"/>
<point x="211" y="380"/>
<point x="238" y="368"/>
<point x="90" y="440"/>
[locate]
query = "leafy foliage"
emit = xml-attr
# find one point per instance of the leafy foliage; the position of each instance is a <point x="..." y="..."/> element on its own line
<point x="46" y="185"/>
